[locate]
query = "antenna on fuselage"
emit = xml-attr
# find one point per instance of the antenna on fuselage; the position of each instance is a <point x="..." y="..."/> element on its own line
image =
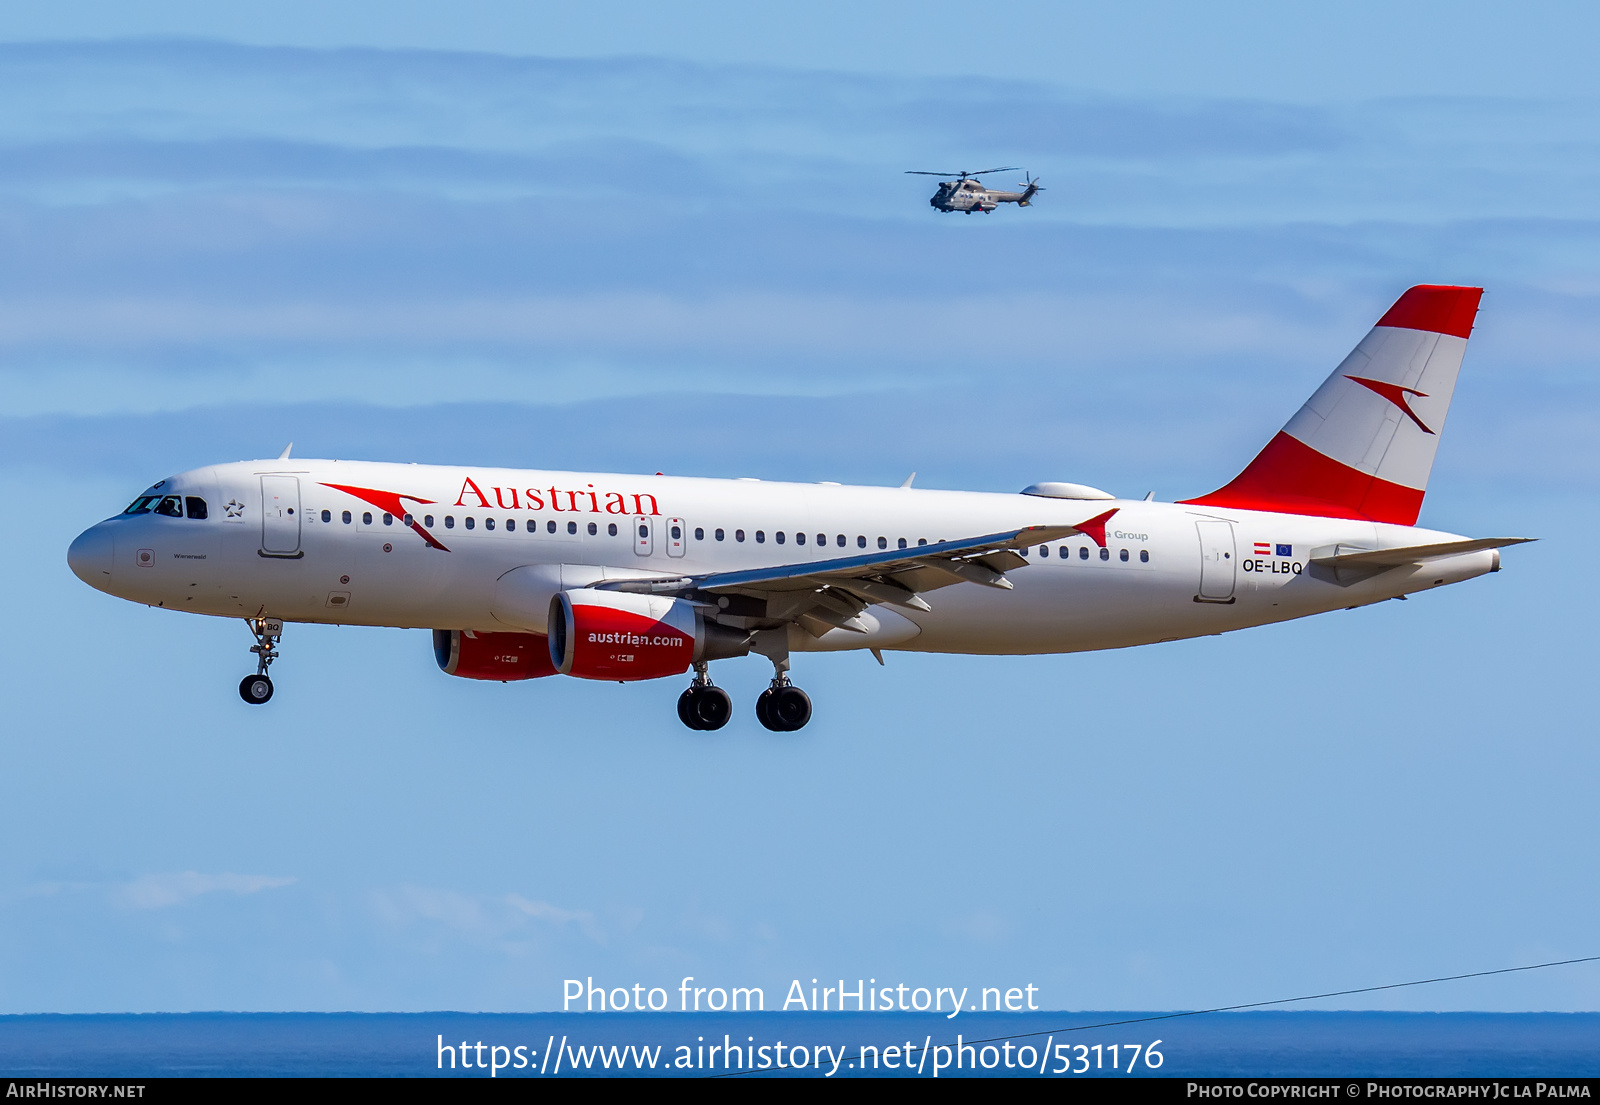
<point x="285" y="454"/>
<point x="909" y="479"/>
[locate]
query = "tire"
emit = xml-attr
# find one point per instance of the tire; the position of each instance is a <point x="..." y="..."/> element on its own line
<point x="255" y="689"/>
<point x="687" y="713"/>
<point x="712" y="708"/>
<point x="764" y="710"/>
<point x="791" y="707"/>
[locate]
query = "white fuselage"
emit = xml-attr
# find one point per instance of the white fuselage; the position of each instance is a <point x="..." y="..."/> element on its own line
<point x="276" y="542"/>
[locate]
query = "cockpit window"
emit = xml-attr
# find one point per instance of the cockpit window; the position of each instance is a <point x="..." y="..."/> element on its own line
<point x="143" y="504"/>
<point x="171" y="506"/>
<point x="196" y="506"/>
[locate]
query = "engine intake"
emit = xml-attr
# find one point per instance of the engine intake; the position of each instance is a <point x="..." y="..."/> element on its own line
<point x="625" y="636"/>
<point x="502" y="656"/>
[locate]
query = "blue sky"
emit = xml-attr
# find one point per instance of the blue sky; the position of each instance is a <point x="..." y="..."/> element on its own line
<point x="624" y="241"/>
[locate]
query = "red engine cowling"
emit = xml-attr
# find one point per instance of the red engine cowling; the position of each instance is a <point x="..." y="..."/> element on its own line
<point x="625" y="636"/>
<point x="502" y="656"/>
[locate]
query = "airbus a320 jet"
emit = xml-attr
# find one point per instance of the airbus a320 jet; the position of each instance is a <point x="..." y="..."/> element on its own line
<point x="525" y="574"/>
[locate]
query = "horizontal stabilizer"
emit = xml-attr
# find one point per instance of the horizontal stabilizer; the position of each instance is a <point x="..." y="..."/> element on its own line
<point x="1375" y="559"/>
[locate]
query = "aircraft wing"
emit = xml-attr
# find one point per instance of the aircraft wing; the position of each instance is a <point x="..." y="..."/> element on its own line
<point x="826" y="594"/>
<point x="947" y="561"/>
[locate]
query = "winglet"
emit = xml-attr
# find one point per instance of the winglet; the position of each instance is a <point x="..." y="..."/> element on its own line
<point x="1095" y="528"/>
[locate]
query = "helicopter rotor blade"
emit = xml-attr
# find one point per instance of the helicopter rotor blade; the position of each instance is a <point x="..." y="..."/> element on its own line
<point x="963" y="174"/>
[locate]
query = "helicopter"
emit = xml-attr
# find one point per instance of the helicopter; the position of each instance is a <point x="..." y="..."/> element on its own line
<point x="965" y="193"/>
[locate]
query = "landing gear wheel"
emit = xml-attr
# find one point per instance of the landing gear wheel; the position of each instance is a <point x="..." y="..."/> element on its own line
<point x="686" y="710"/>
<point x="704" y="707"/>
<point x="783" y="709"/>
<point x="255" y="689"/>
<point x="713" y="708"/>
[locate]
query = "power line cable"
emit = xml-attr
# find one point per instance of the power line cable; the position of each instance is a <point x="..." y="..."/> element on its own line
<point x="1234" y="1008"/>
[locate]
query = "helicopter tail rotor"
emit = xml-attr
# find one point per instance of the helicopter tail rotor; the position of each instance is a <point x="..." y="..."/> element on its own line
<point x="1030" y="188"/>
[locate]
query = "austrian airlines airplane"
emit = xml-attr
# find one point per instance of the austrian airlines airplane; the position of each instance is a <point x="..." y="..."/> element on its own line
<point x="526" y="573"/>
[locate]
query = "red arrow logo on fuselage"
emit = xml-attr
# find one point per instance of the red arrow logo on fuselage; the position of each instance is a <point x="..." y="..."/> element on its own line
<point x="1396" y="395"/>
<point x="389" y="502"/>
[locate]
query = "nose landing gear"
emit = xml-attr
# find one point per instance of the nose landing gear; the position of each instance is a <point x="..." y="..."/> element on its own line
<point x="703" y="706"/>
<point x="257" y="689"/>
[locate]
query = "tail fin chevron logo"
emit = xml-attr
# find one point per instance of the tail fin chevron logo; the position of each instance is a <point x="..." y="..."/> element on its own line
<point x="1396" y="395"/>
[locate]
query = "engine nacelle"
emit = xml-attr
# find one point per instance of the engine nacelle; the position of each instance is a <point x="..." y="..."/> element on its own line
<point x="625" y="636"/>
<point x="502" y="656"/>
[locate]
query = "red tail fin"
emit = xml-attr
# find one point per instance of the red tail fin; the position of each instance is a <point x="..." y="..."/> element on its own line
<point x="1363" y="445"/>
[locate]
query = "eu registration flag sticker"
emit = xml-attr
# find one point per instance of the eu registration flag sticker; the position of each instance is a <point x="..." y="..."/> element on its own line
<point x="1285" y="550"/>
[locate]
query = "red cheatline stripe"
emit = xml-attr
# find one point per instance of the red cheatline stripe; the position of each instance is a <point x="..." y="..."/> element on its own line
<point x="1439" y="308"/>
<point x="1290" y="477"/>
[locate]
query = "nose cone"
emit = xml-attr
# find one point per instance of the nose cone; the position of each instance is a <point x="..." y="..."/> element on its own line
<point x="90" y="556"/>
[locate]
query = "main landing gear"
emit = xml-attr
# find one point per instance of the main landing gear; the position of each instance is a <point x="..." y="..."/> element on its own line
<point x="257" y="689"/>
<point x="704" y="706"/>
<point x="782" y="707"/>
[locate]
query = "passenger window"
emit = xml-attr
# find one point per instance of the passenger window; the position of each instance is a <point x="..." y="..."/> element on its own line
<point x="861" y="542"/>
<point x="677" y="533"/>
<point x="470" y="521"/>
<point x="1144" y="556"/>
<point x="388" y="519"/>
<point x="761" y="537"/>
<point x="1026" y="551"/>
<point x="488" y="523"/>
<point x="799" y="539"/>
<point x="1044" y="551"/>
<point x="572" y="527"/>
<point x="594" y="530"/>
<point x="406" y="520"/>
<point x="738" y="535"/>
<point x="366" y="517"/>
<point x="922" y="540"/>
<point x="1105" y="554"/>
<point x="778" y="537"/>
<point x="883" y="542"/>
<point x="699" y="533"/>
<point x="197" y="508"/>
<point x="612" y="530"/>
<point x="902" y="543"/>
<point x="327" y="515"/>
<point x="170" y="507"/>
<point x="1083" y="552"/>
<point x="1123" y="555"/>
<point x="718" y="535"/>
<point x="511" y="525"/>
<point x="1065" y="552"/>
<point x="427" y="520"/>
<point x="550" y="526"/>
<point x="449" y="521"/>
<point x="345" y="517"/>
